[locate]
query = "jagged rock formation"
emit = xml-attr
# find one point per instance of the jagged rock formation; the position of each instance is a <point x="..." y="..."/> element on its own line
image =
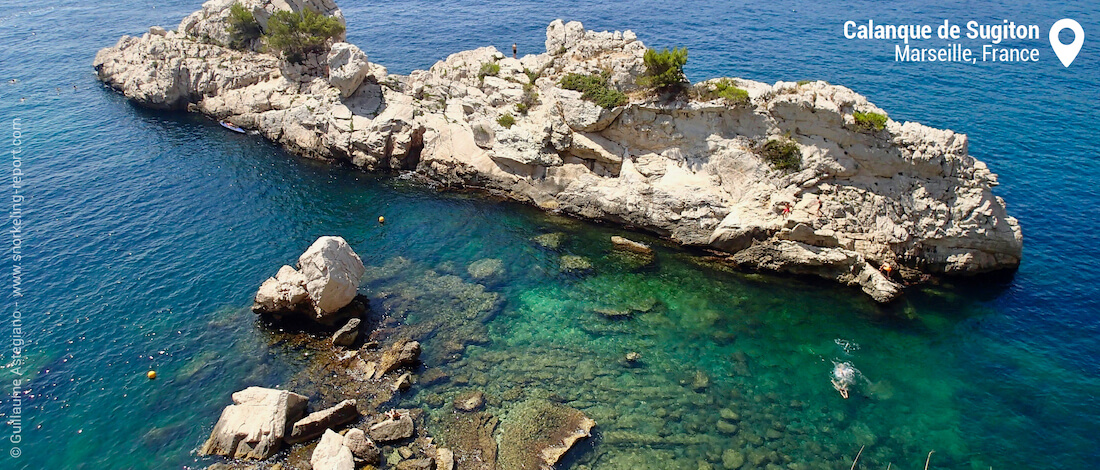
<point x="254" y="426"/>
<point x="326" y="281"/>
<point x="689" y="169"/>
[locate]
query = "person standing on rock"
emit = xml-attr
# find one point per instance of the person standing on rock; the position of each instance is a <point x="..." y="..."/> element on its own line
<point x="514" y="50"/>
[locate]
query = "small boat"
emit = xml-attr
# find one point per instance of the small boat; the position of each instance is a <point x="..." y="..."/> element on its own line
<point x="230" y="126"/>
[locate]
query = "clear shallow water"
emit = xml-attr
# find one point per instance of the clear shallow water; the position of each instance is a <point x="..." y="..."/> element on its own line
<point x="147" y="234"/>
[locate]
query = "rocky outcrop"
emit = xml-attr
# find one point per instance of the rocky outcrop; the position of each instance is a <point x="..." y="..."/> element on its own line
<point x="326" y="281"/>
<point x="690" y="170"/>
<point x="253" y="427"/>
<point x="318" y="422"/>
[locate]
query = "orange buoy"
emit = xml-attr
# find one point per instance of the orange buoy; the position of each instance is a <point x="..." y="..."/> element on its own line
<point x="381" y="220"/>
<point x="152" y="374"/>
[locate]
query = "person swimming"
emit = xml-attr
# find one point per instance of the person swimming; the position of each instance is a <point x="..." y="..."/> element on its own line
<point x="844" y="376"/>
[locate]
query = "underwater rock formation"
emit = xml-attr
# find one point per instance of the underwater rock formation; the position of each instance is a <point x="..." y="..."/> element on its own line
<point x="538" y="433"/>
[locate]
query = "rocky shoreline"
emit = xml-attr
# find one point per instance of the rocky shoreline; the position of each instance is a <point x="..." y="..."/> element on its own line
<point x="357" y="375"/>
<point x="689" y="169"/>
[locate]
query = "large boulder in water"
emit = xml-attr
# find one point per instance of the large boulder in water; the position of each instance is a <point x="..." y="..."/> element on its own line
<point x="327" y="280"/>
<point x="253" y="427"/>
<point x="332" y="271"/>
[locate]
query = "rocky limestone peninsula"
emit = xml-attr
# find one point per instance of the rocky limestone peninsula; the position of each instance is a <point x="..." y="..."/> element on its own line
<point x="690" y="167"/>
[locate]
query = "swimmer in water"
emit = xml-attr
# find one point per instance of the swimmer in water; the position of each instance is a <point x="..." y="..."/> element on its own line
<point x="844" y="375"/>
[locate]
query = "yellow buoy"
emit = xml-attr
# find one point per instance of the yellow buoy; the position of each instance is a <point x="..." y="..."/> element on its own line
<point x="381" y="220"/>
<point x="152" y="374"/>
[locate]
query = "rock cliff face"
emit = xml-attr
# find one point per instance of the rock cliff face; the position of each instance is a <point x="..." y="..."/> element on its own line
<point x="907" y="195"/>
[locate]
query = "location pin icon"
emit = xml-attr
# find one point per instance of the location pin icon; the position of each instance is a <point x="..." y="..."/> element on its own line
<point x="1067" y="52"/>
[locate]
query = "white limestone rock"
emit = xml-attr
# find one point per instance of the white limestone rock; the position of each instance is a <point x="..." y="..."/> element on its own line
<point x="348" y="67"/>
<point x="521" y="145"/>
<point x="332" y="271"/>
<point x="332" y="454"/>
<point x="327" y="280"/>
<point x="253" y="427"/>
<point x="688" y="170"/>
<point x="284" y="292"/>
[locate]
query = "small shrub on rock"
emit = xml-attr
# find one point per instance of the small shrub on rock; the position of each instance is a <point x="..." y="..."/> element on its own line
<point x="488" y="69"/>
<point x="727" y="90"/>
<point x="870" y="121"/>
<point x="243" y="28"/>
<point x="664" y="70"/>
<point x="594" y="88"/>
<point x="782" y="154"/>
<point x="506" y="120"/>
<point x="299" y="34"/>
<point x="529" y="100"/>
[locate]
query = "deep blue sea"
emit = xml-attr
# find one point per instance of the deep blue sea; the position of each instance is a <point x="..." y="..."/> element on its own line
<point x="145" y="234"/>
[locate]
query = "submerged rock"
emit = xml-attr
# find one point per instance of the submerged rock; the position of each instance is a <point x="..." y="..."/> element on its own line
<point x="552" y="241"/>
<point x="415" y="464"/>
<point x="471" y="437"/>
<point x="538" y="433"/>
<point x="327" y="280"/>
<point x="574" y="264"/>
<point x="631" y="245"/>
<point x="732" y="459"/>
<point x="485" y="268"/>
<point x="403" y="353"/>
<point x="253" y="427"/>
<point x="347" y="334"/>
<point x="469" y="401"/>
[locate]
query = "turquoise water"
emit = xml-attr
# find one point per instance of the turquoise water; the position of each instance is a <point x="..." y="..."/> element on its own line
<point x="147" y="234"/>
